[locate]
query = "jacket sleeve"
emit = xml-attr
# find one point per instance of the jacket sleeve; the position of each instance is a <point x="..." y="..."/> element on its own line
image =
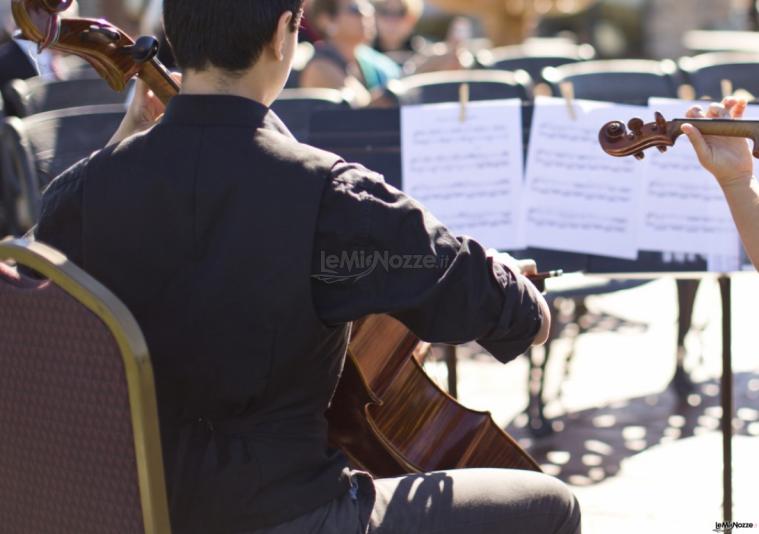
<point x="377" y="250"/>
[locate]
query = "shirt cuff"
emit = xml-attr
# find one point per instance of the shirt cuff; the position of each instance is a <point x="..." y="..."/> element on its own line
<point x="520" y="319"/>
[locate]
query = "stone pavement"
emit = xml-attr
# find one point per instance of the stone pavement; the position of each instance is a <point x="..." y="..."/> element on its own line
<point x="638" y="458"/>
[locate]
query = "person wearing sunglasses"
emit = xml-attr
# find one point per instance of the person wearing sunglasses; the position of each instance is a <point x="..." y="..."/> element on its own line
<point x="343" y="60"/>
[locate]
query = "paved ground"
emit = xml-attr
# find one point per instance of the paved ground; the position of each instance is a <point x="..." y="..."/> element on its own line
<point x="639" y="459"/>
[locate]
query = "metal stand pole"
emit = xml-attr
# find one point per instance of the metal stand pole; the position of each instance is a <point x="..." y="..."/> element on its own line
<point x="450" y="362"/>
<point x="726" y="391"/>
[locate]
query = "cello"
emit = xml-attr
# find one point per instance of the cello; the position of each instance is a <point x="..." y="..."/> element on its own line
<point x="387" y="415"/>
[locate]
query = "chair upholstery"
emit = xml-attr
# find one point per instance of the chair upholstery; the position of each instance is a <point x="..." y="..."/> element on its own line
<point x="35" y="95"/>
<point x="296" y="106"/>
<point x="34" y="150"/>
<point x="81" y="446"/>
<point x="445" y="86"/>
<point x="630" y="81"/>
<point x="534" y="56"/>
<point x="705" y="72"/>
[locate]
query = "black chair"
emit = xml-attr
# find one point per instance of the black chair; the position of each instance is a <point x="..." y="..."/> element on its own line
<point x="35" y="95"/>
<point x="36" y="149"/>
<point x="296" y="106"/>
<point x="705" y="72"/>
<point x="534" y="56"/>
<point x="630" y="81"/>
<point x="445" y="86"/>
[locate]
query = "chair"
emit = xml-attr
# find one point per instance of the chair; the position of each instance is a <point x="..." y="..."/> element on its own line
<point x="36" y="149"/>
<point x="705" y="72"/>
<point x="35" y="95"/>
<point x="534" y="56"/>
<point x="81" y="447"/>
<point x="630" y="81"/>
<point x="701" y="41"/>
<point x="296" y="106"/>
<point x="444" y="86"/>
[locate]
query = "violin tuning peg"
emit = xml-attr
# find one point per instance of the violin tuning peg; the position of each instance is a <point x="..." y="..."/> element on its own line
<point x="662" y="148"/>
<point x="661" y="122"/>
<point x="639" y="155"/>
<point x="635" y="125"/>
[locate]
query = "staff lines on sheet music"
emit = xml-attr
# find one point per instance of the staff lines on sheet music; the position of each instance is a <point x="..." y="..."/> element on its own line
<point x="570" y="133"/>
<point x="587" y="191"/>
<point x="426" y="197"/>
<point x="665" y="190"/>
<point x="577" y="221"/>
<point x="570" y="161"/>
<point x="467" y="219"/>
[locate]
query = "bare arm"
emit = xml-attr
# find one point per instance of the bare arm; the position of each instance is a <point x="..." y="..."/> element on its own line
<point x="731" y="163"/>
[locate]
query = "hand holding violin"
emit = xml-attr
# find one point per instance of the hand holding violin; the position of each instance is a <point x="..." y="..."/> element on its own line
<point x="727" y="158"/>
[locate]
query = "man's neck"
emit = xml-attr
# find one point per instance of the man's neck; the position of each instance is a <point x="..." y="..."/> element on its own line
<point x="250" y="84"/>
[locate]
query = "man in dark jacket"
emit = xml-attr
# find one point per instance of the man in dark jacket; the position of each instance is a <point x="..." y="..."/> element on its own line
<point x="221" y="232"/>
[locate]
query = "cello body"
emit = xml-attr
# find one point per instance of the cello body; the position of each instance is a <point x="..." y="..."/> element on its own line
<point x="387" y="415"/>
<point x="390" y="418"/>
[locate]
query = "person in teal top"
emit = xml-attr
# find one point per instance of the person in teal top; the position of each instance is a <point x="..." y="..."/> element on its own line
<point x="344" y="60"/>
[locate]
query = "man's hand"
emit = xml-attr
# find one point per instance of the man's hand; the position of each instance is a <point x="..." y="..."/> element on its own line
<point x="729" y="159"/>
<point x="526" y="268"/>
<point x="143" y="112"/>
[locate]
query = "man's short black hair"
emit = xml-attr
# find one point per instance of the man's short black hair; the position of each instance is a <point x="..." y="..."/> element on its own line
<point x="227" y="34"/>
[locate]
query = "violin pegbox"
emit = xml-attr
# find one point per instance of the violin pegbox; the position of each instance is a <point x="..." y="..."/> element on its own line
<point x="619" y="140"/>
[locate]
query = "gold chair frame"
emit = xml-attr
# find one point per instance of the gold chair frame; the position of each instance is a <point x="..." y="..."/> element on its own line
<point x="139" y="372"/>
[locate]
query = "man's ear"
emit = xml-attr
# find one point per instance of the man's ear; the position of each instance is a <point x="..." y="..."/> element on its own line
<point x="283" y="33"/>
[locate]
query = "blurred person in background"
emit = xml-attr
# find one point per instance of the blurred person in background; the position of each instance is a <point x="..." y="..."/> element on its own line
<point x="343" y="60"/>
<point x="508" y="22"/>
<point x="396" y="22"/>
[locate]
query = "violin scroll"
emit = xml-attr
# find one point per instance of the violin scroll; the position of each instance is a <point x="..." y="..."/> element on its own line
<point x="619" y="140"/>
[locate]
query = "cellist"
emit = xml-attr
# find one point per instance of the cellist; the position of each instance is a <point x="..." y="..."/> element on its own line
<point x="217" y="229"/>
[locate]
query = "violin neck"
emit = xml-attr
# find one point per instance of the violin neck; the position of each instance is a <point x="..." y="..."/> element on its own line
<point x="722" y="127"/>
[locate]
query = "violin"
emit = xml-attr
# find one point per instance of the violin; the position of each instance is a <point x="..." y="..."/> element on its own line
<point x="637" y="136"/>
<point x="387" y="415"/>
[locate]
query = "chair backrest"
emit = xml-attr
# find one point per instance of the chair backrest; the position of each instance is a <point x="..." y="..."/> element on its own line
<point x="81" y="447"/>
<point x="295" y="107"/>
<point x="705" y="72"/>
<point x="701" y="41"/>
<point x="535" y="56"/>
<point x="35" y="95"/>
<point x="619" y="80"/>
<point x="36" y="149"/>
<point x="445" y="86"/>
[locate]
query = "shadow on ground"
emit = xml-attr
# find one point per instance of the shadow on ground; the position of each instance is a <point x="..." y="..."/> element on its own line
<point x="589" y="446"/>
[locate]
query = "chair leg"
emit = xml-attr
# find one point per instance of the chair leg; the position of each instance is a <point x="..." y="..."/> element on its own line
<point x="686" y="297"/>
<point x="451" y="364"/>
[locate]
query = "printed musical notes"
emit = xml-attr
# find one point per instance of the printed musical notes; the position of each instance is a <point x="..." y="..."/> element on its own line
<point x="467" y="172"/>
<point x="682" y="207"/>
<point x="577" y="198"/>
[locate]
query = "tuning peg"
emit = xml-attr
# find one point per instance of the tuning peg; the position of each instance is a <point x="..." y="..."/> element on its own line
<point x="635" y="125"/>
<point x="144" y="49"/>
<point x="639" y="155"/>
<point x="662" y="148"/>
<point x="661" y="122"/>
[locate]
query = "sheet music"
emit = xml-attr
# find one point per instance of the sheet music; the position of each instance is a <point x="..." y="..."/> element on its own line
<point x="577" y="198"/>
<point x="467" y="173"/>
<point x="683" y="208"/>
